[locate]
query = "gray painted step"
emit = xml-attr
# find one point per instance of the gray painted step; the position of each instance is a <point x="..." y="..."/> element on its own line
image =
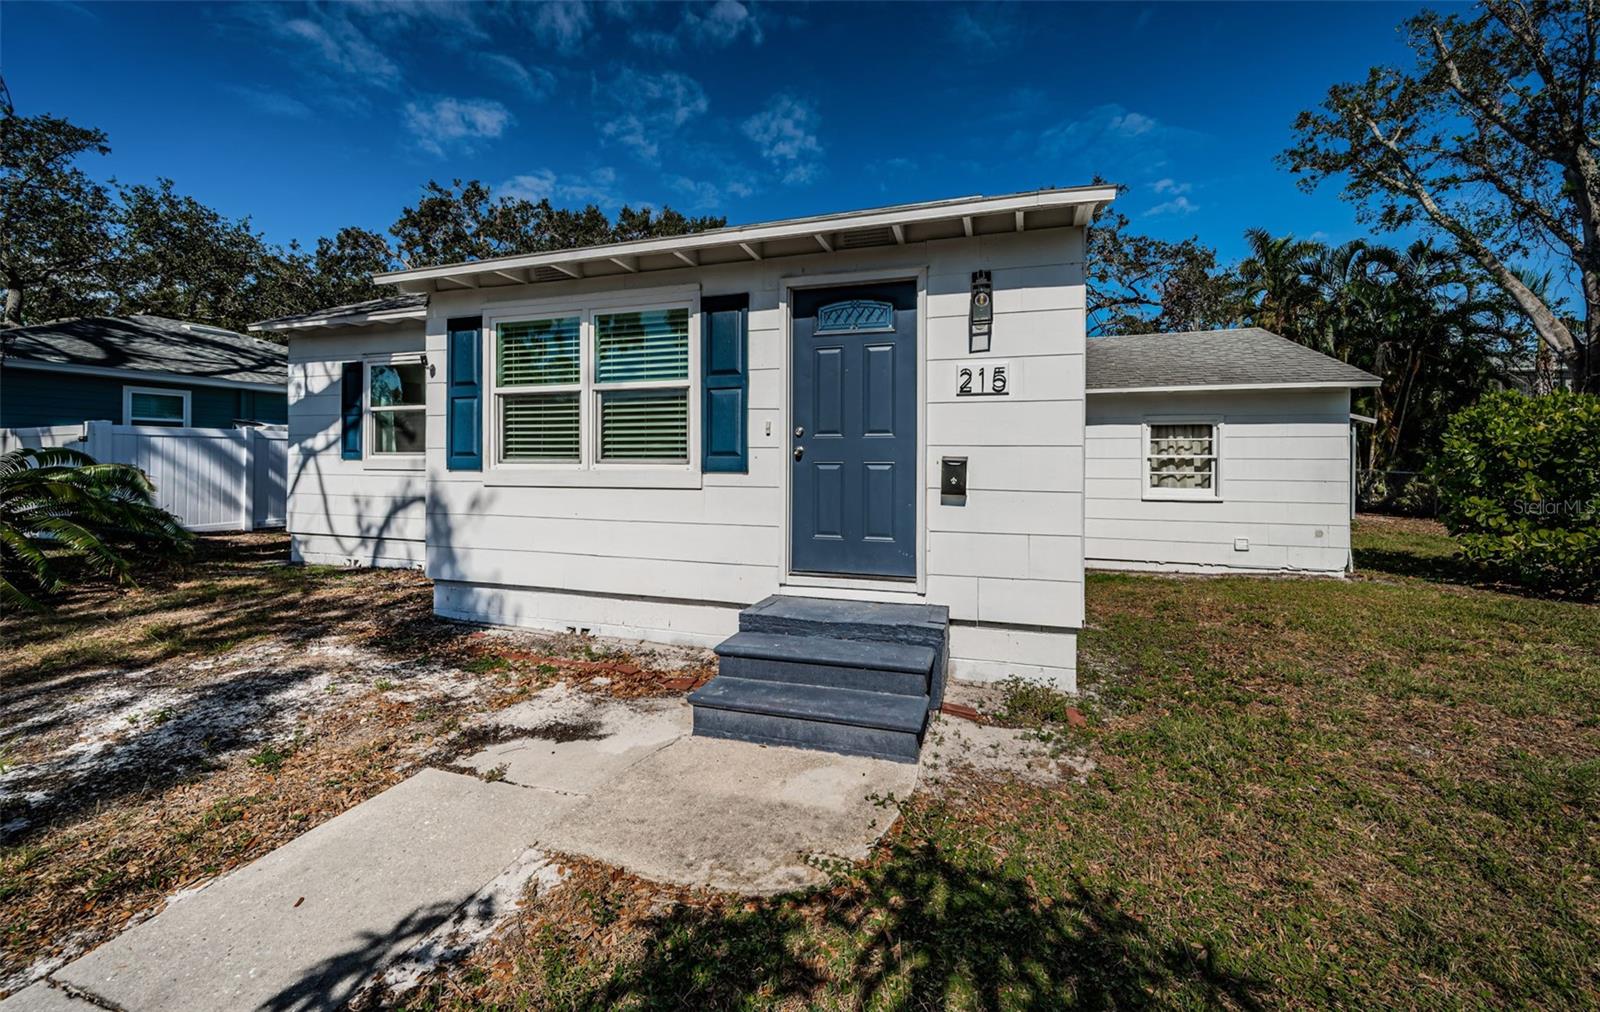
<point x="897" y="683"/>
<point x="881" y="710"/>
<point x="898" y="668"/>
<point x="917" y="624"/>
<point x="922" y="624"/>
<point x="766" y="729"/>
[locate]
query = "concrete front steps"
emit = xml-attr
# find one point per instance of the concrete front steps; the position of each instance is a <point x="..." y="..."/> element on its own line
<point x="853" y="677"/>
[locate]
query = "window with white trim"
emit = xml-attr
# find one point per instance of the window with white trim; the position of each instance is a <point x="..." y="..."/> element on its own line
<point x="594" y="388"/>
<point x="155" y="406"/>
<point x="398" y="407"/>
<point x="1180" y="459"/>
<point x="538" y="383"/>
<point x="641" y="379"/>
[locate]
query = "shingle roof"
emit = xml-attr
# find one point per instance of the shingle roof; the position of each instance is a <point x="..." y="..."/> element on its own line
<point x="150" y="344"/>
<point x="1248" y="356"/>
<point x="353" y="313"/>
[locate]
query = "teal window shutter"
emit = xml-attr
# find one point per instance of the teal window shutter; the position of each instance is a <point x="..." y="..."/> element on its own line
<point x="463" y="438"/>
<point x="350" y="381"/>
<point x="724" y="364"/>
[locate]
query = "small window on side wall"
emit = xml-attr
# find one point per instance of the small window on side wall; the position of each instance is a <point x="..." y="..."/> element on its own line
<point x="155" y="406"/>
<point x="397" y="401"/>
<point x="1181" y="460"/>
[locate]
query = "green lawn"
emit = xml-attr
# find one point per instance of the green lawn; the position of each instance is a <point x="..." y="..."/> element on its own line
<point x="1372" y="792"/>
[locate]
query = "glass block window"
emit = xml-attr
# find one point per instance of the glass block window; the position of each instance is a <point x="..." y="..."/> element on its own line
<point x="1182" y="458"/>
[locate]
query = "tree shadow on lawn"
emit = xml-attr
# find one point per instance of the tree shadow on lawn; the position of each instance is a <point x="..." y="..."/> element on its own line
<point x="926" y="933"/>
<point x="1437" y="568"/>
<point x="210" y="711"/>
<point x="167" y="748"/>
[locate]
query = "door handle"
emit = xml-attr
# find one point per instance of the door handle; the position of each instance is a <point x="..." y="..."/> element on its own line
<point x="799" y="452"/>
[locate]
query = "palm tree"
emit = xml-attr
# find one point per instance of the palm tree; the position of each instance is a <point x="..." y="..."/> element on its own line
<point x="59" y="507"/>
<point x="1341" y="278"/>
<point x="1275" y="291"/>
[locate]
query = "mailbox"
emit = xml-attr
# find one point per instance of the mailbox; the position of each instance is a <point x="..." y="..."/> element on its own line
<point x="953" y="481"/>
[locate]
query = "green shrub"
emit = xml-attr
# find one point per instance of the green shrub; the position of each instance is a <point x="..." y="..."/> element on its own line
<point x="58" y="507"/>
<point x="1519" y="485"/>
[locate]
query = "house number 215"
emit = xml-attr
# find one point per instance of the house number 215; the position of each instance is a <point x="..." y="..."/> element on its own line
<point x="991" y="379"/>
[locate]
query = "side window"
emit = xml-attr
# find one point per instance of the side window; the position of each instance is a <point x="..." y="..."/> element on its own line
<point x="397" y="401"/>
<point x="1181" y="460"/>
<point x="154" y="406"/>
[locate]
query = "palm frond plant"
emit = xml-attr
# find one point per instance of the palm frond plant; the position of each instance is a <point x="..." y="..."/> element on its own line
<point x="61" y="513"/>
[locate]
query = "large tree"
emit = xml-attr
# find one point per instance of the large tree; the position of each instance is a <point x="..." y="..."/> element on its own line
<point x="466" y="221"/>
<point x="1138" y="284"/>
<point x="55" y="221"/>
<point x="1493" y="141"/>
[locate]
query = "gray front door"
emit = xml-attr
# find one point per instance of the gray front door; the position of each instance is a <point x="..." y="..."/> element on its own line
<point x="854" y="443"/>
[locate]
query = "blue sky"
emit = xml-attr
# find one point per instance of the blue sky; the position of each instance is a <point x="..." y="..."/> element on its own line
<point x="308" y="118"/>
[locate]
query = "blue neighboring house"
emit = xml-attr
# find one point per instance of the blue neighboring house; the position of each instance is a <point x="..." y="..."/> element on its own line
<point x="139" y="370"/>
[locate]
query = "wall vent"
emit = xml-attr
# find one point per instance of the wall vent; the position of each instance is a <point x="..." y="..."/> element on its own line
<point x="864" y="238"/>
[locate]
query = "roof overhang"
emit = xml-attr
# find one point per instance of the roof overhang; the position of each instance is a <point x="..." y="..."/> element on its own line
<point x="333" y="321"/>
<point x="1223" y="387"/>
<point x="829" y="233"/>
<point x="148" y="375"/>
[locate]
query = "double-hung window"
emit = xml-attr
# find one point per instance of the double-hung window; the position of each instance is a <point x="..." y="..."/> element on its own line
<point x="397" y="404"/>
<point x="597" y="388"/>
<point x="641" y="378"/>
<point x="1180" y="460"/>
<point x="538" y="376"/>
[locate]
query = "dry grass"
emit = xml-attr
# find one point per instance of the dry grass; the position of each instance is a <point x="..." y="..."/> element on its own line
<point x="156" y="737"/>
<point x="1367" y="793"/>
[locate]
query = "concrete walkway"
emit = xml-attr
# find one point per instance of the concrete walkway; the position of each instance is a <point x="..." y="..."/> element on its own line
<point x="305" y="926"/>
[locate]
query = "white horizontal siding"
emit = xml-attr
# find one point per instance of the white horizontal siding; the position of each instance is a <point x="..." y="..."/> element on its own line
<point x="550" y="554"/>
<point x="1284" y="478"/>
<point x="980" y="653"/>
<point x="662" y="621"/>
<point x="347" y="512"/>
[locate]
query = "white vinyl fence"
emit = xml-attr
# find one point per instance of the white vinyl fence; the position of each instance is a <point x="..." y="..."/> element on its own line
<point x="210" y="479"/>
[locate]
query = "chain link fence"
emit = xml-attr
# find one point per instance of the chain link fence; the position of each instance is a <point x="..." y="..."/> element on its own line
<point x="1404" y="493"/>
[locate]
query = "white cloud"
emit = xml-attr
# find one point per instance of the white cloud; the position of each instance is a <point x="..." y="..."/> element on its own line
<point x="1131" y="124"/>
<point x="534" y="82"/>
<point x="1177" y="205"/>
<point x="595" y="187"/>
<point x="534" y="186"/>
<point x="455" y="122"/>
<point x="339" y="45"/>
<point x="598" y="187"/>
<point x="1106" y="127"/>
<point x="988" y="29"/>
<point x="713" y="26"/>
<point x="1172" y="186"/>
<point x="785" y="131"/>
<point x="642" y="111"/>
<point x="562" y="23"/>
<point x="655" y="40"/>
<point x="705" y="195"/>
<point x="722" y="24"/>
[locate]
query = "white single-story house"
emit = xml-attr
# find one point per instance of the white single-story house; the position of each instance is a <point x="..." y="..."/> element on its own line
<point x="855" y="452"/>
